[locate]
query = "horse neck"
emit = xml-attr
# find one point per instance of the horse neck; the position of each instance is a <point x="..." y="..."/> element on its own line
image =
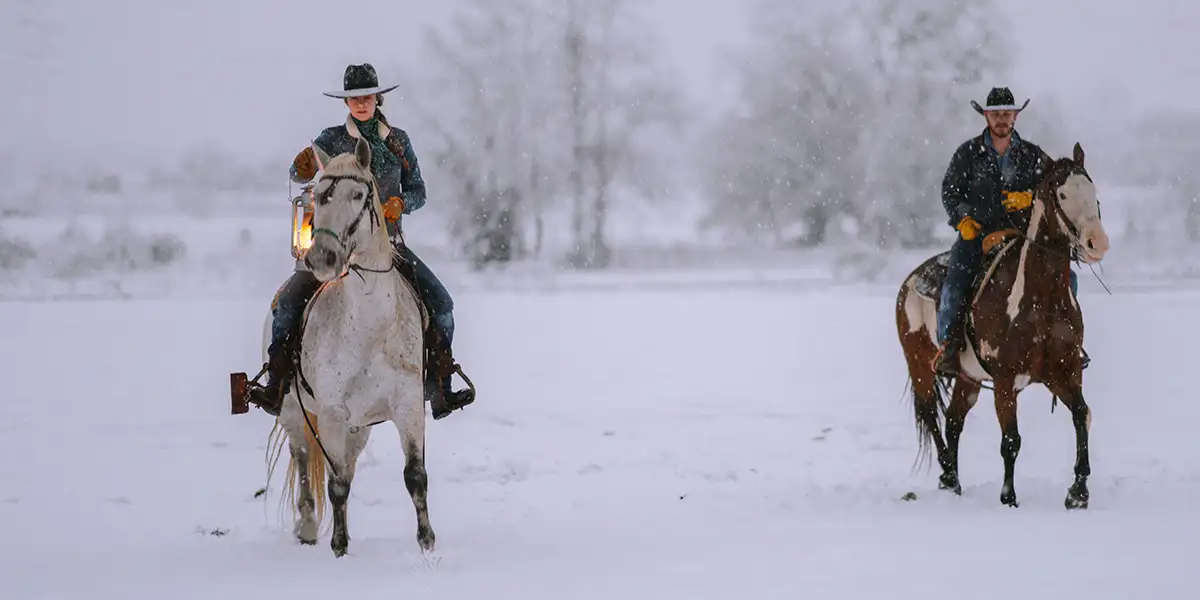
<point x="376" y="254"/>
<point x="1047" y="256"/>
<point x="370" y="274"/>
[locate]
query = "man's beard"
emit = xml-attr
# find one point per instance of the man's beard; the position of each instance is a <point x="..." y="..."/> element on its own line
<point x="1007" y="131"/>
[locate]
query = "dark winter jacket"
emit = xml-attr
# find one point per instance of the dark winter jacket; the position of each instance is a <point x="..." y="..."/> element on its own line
<point x="401" y="177"/>
<point x="978" y="176"/>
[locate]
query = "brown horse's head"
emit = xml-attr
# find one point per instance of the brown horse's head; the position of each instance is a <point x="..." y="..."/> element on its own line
<point x="1071" y="202"/>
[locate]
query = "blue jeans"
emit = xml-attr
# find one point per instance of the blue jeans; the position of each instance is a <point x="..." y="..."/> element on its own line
<point x="435" y="296"/>
<point x="301" y="286"/>
<point x="289" y="306"/>
<point x="966" y="258"/>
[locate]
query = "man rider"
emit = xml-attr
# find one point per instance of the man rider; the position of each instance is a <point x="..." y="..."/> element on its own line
<point x="989" y="176"/>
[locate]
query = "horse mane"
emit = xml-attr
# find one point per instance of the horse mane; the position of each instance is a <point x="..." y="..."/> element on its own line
<point x="346" y="165"/>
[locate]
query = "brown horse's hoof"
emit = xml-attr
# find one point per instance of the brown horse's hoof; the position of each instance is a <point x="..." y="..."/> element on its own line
<point x="1077" y="496"/>
<point x="950" y="482"/>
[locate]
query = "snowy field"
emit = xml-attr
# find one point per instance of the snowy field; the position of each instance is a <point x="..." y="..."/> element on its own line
<point x="720" y="443"/>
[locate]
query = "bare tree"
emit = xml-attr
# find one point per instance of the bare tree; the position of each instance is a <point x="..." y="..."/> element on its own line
<point x="779" y="166"/>
<point x="491" y="80"/>
<point x="926" y="59"/>
<point x="851" y="114"/>
<point x="542" y="101"/>
<point x="620" y="104"/>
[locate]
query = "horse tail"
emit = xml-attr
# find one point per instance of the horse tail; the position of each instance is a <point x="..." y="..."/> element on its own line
<point x="927" y="394"/>
<point x="929" y="406"/>
<point x="316" y="467"/>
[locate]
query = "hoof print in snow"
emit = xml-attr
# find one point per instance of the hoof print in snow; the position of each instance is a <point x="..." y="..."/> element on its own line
<point x="120" y="500"/>
<point x="909" y="497"/>
<point x="589" y="469"/>
<point x="821" y="437"/>
<point x="609" y="433"/>
<point x="214" y="532"/>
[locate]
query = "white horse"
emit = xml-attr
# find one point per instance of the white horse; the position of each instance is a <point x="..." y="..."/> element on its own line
<point x="361" y="356"/>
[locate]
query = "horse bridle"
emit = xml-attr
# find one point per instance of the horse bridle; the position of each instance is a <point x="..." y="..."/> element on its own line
<point x="366" y="209"/>
<point x="1057" y="210"/>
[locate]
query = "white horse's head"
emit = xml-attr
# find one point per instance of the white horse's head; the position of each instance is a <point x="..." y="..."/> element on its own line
<point x="346" y="213"/>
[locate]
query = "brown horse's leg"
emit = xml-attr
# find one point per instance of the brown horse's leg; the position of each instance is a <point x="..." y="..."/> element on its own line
<point x="1010" y="437"/>
<point x="966" y="392"/>
<point x="1081" y="417"/>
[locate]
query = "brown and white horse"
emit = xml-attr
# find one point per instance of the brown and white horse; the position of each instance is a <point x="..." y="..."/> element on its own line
<point x="1024" y="325"/>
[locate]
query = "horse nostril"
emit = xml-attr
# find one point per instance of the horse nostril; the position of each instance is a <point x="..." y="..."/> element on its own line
<point x="330" y="258"/>
<point x="1091" y="244"/>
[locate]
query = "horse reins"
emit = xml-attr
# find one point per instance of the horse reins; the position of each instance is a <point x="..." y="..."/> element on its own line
<point x="1072" y="233"/>
<point x="300" y="379"/>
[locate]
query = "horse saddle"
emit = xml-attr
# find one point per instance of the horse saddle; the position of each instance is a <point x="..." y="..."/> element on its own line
<point x="932" y="275"/>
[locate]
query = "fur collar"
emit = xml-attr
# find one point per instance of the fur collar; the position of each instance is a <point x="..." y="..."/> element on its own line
<point x="352" y="128"/>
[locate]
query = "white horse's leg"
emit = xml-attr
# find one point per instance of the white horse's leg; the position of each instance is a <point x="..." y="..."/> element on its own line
<point x="411" y="425"/>
<point x="307" y="465"/>
<point x="344" y="448"/>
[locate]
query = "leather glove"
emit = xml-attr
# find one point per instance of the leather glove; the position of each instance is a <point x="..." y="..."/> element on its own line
<point x="305" y="164"/>
<point x="1017" y="200"/>
<point x="968" y="228"/>
<point x="393" y="208"/>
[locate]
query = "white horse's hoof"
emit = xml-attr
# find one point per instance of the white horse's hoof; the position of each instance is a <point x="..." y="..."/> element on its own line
<point x="306" y="532"/>
<point x="429" y="560"/>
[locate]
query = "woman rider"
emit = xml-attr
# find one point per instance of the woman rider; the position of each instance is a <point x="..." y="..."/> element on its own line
<point x="394" y="164"/>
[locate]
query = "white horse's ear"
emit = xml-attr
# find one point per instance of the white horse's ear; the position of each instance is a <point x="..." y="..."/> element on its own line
<point x="362" y="152"/>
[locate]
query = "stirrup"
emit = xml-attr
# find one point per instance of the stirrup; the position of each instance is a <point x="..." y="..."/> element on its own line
<point x="934" y="364"/>
<point x="271" y="405"/>
<point x="446" y="401"/>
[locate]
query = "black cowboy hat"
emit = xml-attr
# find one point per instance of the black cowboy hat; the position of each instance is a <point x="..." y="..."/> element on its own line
<point x="360" y="80"/>
<point x="1000" y="98"/>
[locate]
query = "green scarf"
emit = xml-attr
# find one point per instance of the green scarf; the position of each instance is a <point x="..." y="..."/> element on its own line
<point x="380" y="153"/>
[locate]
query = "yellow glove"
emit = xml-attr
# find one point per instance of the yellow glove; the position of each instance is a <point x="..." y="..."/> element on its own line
<point x="1017" y="200"/>
<point x="968" y="227"/>
<point x="393" y="208"/>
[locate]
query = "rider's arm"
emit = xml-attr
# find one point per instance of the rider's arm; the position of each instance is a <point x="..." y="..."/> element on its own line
<point x="956" y="186"/>
<point x="309" y="160"/>
<point x="410" y="177"/>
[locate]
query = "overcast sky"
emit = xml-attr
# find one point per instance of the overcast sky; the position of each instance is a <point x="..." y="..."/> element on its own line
<point x="133" y="77"/>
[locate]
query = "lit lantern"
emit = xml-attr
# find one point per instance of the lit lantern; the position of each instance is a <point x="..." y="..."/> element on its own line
<point x="302" y="216"/>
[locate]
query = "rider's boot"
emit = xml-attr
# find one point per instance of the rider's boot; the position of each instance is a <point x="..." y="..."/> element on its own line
<point x="285" y="337"/>
<point x="946" y="363"/>
<point x="440" y="368"/>
<point x="269" y="397"/>
<point x="1084" y="359"/>
<point x="950" y="323"/>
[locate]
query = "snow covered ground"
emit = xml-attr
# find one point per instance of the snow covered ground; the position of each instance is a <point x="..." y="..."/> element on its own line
<point x="749" y="443"/>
